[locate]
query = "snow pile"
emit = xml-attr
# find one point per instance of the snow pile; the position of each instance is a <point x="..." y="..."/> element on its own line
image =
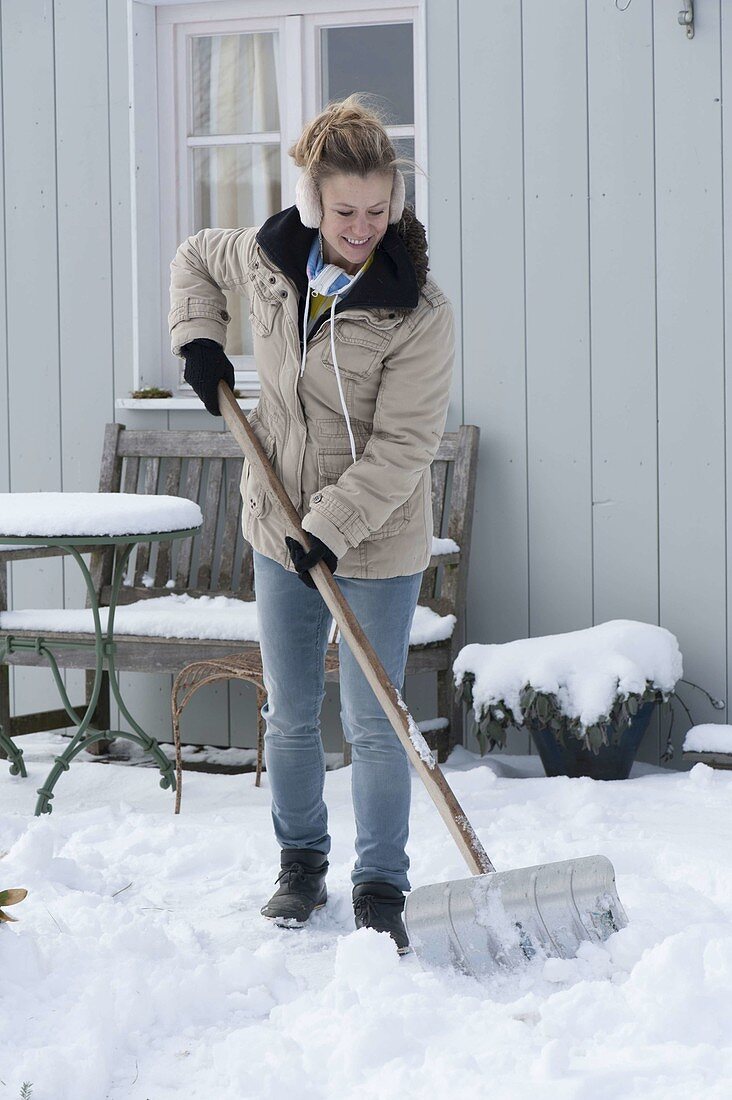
<point x="91" y="515"/>
<point x="709" y="737"/>
<point x="584" y="669"/>
<point x="444" y="546"/>
<point x="428" y="626"/>
<point x="141" y="968"/>
<point x="174" y="616"/>
<point x="182" y="616"/>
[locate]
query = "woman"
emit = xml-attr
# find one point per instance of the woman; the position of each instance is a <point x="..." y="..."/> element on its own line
<point x="354" y="350"/>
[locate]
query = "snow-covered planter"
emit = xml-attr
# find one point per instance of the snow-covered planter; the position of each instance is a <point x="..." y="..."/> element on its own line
<point x="585" y="697"/>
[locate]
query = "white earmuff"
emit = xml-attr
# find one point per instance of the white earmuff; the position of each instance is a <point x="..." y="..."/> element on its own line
<point x="398" y="197"/>
<point x="307" y="200"/>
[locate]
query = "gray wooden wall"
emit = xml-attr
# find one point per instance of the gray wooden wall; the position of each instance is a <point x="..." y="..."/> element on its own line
<point x="594" y="250"/>
<point x="578" y="194"/>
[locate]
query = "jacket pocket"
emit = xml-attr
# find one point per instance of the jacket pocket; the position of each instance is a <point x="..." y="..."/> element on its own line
<point x="331" y="465"/>
<point x="359" y="349"/>
<point x="262" y="313"/>
<point x="255" y="499"/>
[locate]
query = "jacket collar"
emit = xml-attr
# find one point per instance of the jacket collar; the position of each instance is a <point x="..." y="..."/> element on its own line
<point x="389" y="283"/>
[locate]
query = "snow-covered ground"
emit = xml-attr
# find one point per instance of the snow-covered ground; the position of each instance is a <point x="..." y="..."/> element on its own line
<point x="140" y="968"/>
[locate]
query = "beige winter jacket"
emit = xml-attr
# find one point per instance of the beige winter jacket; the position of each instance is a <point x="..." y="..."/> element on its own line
<point x="394" y="347"/>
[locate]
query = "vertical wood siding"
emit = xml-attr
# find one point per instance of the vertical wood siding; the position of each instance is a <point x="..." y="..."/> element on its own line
<point x="690" y="320"/>
<point x="580" y="180"/>
<point x="494" y="326"/>
<point x="615" y="152"/>
<point x="726" y="130"/>
<point x="4" y="405"/>
<point x="34" y="438"/>
<point x="622" y="317"/>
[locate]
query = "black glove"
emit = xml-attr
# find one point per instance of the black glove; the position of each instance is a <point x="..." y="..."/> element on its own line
<point x="206" y="366"/>
<point x="304" y="560"/>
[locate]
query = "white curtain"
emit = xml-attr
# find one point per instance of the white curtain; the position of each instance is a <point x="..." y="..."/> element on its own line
<point x="235" y="91"/>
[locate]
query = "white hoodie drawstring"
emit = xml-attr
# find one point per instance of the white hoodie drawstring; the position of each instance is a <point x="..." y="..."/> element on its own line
<point x="338" y="377"/>
<point x="305" y="331"/>
<point x="335" y="361"/>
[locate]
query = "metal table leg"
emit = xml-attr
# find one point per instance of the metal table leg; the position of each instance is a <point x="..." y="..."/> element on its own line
<point x="14" y="753"/>
<point x="86" y="734"/>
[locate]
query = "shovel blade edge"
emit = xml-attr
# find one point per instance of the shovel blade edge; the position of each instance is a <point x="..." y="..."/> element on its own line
<point x="495" y="922"/>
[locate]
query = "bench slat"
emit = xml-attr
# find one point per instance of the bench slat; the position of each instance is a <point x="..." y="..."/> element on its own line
<point x="150" y="488"/>
<point x="128" y="594"/>
<point x="172" y="444"/>
<point x="231" y="525"/>
<point x="172" y="489"/>
<point x="429" y="586"/>
<point x="136" y="653"/>
<point x="207" y="444"/>
<point x="448" y="447"/>
<point x="193" y="487"/>
<point x="462" y="500"/>
<point x="210" y="521"/>
<point x="132" y="473"/>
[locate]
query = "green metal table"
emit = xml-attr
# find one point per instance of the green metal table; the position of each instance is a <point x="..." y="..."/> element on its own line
<point x="104" y="648"/>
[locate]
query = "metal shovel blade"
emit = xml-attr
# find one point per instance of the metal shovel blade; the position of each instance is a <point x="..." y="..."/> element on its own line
<point x="495" y="922"/>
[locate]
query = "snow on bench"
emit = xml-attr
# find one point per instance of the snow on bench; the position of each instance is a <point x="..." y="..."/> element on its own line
<point x="183" y="616"/>
<point x="444" y="546"/>
<point x="93" y="515"/>
<point x="709" y="737"/>
<point x="174" y="616"/>
<point x="584" y="669"/>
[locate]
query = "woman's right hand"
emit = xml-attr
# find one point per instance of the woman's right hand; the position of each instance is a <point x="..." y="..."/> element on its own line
<point x="206" y="366"/>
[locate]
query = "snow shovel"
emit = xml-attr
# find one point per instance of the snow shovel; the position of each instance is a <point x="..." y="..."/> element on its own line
<point x="496" y="920"/>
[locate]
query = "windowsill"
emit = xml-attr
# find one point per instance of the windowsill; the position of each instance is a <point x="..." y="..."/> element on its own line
<point x="176" y="404"/>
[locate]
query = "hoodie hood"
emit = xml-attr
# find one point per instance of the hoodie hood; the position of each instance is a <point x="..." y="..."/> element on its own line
<point x="393" y="280"/>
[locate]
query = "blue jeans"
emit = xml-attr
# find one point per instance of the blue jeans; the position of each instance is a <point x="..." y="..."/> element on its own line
<point x="294" y="623"/>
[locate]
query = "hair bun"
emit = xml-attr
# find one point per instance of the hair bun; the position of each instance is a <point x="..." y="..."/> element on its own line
<point x="347" y="136"/>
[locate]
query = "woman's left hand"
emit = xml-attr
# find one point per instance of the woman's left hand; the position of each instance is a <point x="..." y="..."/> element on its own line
<point x="304" y="560"/>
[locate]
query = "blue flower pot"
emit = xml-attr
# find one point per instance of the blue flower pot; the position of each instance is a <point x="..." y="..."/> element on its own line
<point x="613" y="761"/>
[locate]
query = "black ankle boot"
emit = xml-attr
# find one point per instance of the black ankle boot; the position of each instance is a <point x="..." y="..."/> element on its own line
<point x="379" y="905"/>
<point x="301" y="887"/>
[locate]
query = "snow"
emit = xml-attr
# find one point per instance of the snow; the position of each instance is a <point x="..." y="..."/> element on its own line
<point x="140" y="968"/>
<point x="709" y="737"/>
<point x="183" y="616"/>
<point x="444" y="546"/>
<point x="585" y="669"/>
<point x="416" y="737"/>
<point x="53" y="515"/>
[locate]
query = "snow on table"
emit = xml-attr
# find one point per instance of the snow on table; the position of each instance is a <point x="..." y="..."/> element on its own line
<point x="183" y="616"/>
<point x="140" y="966"/>
<point x="709" y="737"/>
<point x="585" y="669"/>
<point x="93" y="515"/>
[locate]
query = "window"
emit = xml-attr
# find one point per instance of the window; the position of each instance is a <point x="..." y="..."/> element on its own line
<point x="234" y="93"/>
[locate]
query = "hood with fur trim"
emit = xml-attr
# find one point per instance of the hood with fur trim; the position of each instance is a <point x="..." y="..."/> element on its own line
<point x="394" y="279"/>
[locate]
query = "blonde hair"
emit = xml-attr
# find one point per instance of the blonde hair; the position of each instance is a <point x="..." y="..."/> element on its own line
<point x="349" y="137"/>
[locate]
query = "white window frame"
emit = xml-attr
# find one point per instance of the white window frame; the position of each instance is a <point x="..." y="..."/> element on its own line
<point x="158" y="34"/>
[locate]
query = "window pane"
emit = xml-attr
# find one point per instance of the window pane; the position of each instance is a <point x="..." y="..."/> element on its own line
<point x="234" y="84"/>
<point x="377" y="59"/>
<point x="235" y="185"/>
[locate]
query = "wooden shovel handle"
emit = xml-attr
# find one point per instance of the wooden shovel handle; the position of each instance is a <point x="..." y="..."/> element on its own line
<point x="404" y="725"/>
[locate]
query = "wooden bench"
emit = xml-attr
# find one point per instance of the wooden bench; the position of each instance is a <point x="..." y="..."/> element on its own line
<point x="720" y="760"/>
<point x="205" y="466"/>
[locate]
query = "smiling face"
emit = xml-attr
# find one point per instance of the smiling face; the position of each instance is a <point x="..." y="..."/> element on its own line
<point x="355" y="217"/>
